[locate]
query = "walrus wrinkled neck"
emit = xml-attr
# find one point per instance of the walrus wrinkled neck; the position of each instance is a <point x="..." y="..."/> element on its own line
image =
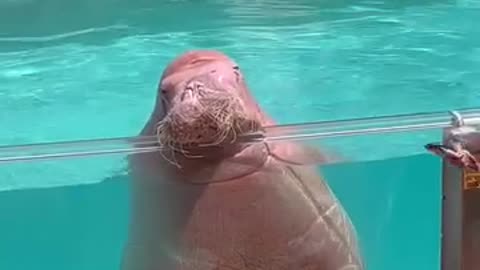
<point x="190" y="156"/>
<point x="220" y="164"/>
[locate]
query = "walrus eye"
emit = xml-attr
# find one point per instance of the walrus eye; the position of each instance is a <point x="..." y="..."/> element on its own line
<point x="164" y="96"/>
<point x="236" y="70"/>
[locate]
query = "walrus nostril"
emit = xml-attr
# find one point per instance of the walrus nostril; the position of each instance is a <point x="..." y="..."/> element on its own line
<point x="195" y="85"/>
<point x="187" y="94"/>
<point x="192" y="89"/>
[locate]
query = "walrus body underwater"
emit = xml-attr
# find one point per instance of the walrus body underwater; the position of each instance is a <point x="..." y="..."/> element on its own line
<point x="208" y="203"/>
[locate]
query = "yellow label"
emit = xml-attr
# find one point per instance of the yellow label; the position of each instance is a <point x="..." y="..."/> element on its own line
<point x="471" y="180"/>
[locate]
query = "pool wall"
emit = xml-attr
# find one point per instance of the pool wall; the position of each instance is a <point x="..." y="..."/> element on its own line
<point x="394" y="204"/>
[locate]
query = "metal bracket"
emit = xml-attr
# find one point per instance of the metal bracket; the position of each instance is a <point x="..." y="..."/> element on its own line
<point x="457" y="119"/>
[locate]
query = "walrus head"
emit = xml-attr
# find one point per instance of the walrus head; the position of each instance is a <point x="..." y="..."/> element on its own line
<point x="205" y="102"/>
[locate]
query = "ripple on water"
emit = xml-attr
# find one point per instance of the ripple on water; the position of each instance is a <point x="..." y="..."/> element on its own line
<point x="322" y="60"/>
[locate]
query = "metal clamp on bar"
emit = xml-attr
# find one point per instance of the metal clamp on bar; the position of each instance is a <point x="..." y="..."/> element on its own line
<point x="457" y="119"/>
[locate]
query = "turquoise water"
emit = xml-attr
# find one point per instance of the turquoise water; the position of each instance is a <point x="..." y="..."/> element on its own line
<point x="89" y="69"/>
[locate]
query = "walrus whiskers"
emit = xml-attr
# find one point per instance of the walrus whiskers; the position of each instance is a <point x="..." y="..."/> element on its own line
<point x="221" y="112"/>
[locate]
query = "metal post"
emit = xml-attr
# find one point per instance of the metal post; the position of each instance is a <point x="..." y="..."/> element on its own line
<point x="461" y="207"/>
<point x="452" y="207"/>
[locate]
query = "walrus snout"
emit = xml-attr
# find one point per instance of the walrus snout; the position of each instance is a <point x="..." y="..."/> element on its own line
<point x="200" y="115"/>
<point x="206" y="102"/>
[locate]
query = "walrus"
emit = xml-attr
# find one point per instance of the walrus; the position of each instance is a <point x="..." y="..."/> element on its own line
<point x="206" y="201"/>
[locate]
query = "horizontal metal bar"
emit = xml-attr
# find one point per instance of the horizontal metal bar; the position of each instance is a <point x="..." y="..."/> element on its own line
<point x="289" y="132"/>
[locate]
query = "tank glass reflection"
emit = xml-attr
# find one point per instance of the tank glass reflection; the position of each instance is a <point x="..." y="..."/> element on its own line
<point x="76" y="213"/>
